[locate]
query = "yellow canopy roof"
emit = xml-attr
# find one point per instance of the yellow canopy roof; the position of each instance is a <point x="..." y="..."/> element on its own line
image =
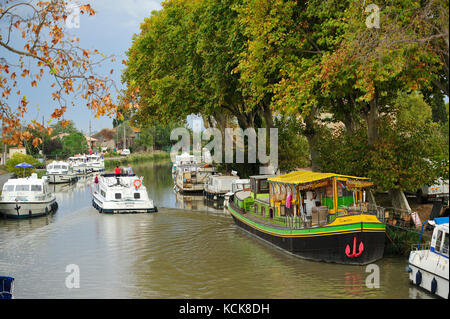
<point x="302" y="177"/>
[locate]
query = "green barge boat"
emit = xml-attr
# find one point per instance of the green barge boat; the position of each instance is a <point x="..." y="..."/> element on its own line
<point x="317" y="216"/>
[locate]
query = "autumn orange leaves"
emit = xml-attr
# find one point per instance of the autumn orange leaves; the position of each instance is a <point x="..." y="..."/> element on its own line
<point x="38" y="47"/>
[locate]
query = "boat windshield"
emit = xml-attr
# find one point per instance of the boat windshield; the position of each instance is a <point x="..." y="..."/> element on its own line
<point x="8" y="188"/>
<point x="22" y="188"/>
<point x="36" y="188"/>
<point x="57" y="166"/>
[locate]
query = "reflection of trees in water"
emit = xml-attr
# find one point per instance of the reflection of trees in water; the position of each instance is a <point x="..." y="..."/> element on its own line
<point x="157" y="178"/>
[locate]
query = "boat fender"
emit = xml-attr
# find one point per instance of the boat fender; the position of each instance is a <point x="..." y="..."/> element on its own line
<point x="46" y="210"/>
<point x="29" y="212"/>
<point x="418" y="278"/>
<point x="433" y="286"/>
<point x="137" y="183"/>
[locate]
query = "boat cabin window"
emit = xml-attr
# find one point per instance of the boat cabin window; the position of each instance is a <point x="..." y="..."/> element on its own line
<point x="445" y="245"/>
<point x="103" y="193"/>
<point x="36" y="188"/>
<point x="439" y="241"/>
<point x="118" y="195"/>
<point x="137" y="195"/>
<point x="22" y="188"/>
<point x="8" y="188"/>
<point x="57" y="167"/>
<point x="263" y="186"/>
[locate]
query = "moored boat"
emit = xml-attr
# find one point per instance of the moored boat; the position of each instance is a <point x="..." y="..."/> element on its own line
<point x="95" y="163"/>
<point x="27" y="197"/>
<point x="317" y="216"/>
<point x="236" y="186"/>
<point x="79" y="165"/>
<point x="192" y="177"/>
<point x="60" y="172"/>
<point x="428" y="264"/>
<point x="118" y="194"/>
<point x="216" y="186"/>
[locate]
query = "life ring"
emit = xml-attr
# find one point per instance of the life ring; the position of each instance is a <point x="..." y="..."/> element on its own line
<point x="137" y="183"/>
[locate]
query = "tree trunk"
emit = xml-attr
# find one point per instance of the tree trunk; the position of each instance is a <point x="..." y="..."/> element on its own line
<point x="310" y="134"/>
<point x="399" y="200"/>
<point x="372" y="121"/>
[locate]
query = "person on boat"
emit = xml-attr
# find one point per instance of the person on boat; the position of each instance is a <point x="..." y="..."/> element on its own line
<point x="117" y="171"/>
<point x="96" y="179"/>
<point x="130" y="170"/>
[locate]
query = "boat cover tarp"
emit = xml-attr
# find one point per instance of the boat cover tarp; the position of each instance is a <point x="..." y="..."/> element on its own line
<point x="6" y="287"/>
<point x="441" y="220"/>
<point x="301" y="177"/>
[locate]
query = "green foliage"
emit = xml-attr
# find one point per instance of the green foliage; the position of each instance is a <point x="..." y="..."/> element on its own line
<point x="58" y="128"/>
<point x="293" y="150"/>
<point x="18" y="158"/>
<point x="400" y="242"/>
<point x="74" y="143"/>
<point x="135" y="158"/>
<point x="411" y="151"/>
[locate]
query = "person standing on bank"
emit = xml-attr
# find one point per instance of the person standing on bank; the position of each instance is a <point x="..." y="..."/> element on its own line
<point x="130" y="170"/>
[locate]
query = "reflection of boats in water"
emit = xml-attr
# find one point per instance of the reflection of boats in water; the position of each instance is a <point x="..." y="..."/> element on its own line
<point x="197" y="202"/>
<point x="428" y="264"/>
<point x="27" y="197"/>
<point x="190" y="201"/>
<point x="62" y="187"/>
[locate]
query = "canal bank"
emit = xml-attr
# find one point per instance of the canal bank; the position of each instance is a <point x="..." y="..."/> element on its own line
<point x="111" y="162"/>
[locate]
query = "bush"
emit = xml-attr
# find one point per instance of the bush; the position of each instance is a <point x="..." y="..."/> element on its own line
<point x="18" y="158"/>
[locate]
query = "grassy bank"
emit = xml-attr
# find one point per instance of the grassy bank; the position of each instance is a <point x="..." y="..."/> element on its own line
<point x="110" y="163"/>
<point x="400" y="241"/>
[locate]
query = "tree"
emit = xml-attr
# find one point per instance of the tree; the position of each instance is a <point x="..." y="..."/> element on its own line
<point x="35" y="45"/>
<point x="18" y="158"/>
<point x="74" y="143"/>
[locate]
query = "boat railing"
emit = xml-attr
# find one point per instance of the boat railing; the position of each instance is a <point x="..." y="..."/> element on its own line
<point x="421" y="246"/>
<point x="363" y="208"/>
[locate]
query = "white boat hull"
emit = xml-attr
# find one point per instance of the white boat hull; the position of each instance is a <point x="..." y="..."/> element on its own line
<point x="122" y="207"/>
<point x="82" y="170"/>
<point x="61" y="178"/>
<point x="431" y="275"/>
<point x="27" y="209"/>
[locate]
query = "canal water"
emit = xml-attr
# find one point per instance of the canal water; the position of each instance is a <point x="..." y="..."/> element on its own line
<point x="189" y="249"/>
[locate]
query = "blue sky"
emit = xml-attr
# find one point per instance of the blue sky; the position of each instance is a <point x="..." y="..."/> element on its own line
<point x="110" y="31"/>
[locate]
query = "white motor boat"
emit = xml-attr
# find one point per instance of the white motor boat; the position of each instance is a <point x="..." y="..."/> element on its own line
<point x="116" y="194"/>
<point x="236" y="186"/>
<point x="95" y="162"/>
<point x="60" y="172"/>
<point x="428" y="265"/>
<point x="217" y="186"/>
<point x="27" y="197"/>
<point x="79" y="165"/>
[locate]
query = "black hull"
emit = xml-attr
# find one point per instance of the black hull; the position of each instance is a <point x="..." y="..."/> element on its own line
<point x="326" y="248"/>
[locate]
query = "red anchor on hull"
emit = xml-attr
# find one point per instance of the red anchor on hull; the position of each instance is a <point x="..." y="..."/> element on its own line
<point x="354" y="254"/>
